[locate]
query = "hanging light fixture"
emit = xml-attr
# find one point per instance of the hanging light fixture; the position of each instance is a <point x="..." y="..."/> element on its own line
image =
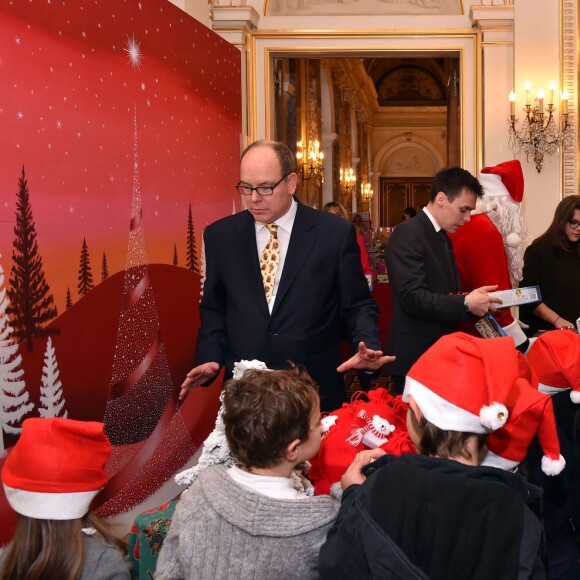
<point x="347" y="180"/>
<point x="540" y="134"/>
<point x="366" y="192"/>
<point x="310" y="161"/>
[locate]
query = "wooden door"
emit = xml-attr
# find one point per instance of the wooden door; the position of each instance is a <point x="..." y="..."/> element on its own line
<point x="397" y="194"/>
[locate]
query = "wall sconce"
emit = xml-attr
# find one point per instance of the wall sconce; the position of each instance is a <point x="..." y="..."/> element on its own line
<point x="310" y="161"/>
<point x="366" y="192"/>
<point x="539" y="136"/>
<point x="347" y="180"/>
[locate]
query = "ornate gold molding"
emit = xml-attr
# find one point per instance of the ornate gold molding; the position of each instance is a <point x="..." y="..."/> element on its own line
<point x="267" y="45"/>
<point x="569" y="37"/>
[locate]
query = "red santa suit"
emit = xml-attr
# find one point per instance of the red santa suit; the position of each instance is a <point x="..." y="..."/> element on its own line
<point x="480" y="251"/>
<point x="481" y="260"/>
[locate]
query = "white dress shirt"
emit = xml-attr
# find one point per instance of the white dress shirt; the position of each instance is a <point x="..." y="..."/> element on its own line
<point x="431" y="219"/>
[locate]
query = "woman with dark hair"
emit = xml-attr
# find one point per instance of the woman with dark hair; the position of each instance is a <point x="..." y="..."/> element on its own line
<point x="552" y="262"/>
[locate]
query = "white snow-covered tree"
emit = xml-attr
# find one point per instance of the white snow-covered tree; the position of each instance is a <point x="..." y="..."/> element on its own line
<point x="51" y="395"/>
<point x="14" y="398"/>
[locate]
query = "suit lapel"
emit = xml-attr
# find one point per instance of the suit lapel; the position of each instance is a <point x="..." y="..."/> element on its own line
<point x="455" y="268"/>
<point x="435" y="243"/>
<point x="302" y="239"/>
<point x="247" y="251"/>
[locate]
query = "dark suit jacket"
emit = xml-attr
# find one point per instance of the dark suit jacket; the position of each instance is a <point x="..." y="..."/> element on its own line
<point x="421" y="283"/>
<point x="322" y="283"/>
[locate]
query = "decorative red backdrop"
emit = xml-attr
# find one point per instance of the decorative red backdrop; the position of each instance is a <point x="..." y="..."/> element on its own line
<point x="75" y="76"/>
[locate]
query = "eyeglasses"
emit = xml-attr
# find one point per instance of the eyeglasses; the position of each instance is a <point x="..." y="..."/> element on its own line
<point x="262" y="190"/>
<point x="574" y="224"/>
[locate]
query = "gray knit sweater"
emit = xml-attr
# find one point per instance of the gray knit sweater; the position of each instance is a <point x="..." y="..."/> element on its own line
<point x="103" y="562"/>
<point x="222" y="530"/>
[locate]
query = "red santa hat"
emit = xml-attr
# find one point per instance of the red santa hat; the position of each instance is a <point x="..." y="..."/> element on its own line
<point x="531" y="412"/>
<point x="555" y="357"/>
<point x="504" y="178"/>
<point x="56" y="468"/>
<point x="468" y="384"/>
<point x="462" y="382"/>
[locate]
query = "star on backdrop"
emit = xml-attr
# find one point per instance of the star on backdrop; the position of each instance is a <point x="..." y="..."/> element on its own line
<point x="72" y="73"/>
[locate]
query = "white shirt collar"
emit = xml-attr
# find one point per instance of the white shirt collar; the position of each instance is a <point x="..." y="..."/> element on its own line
<point x="432" y="219"/>
<point x="275" y="487"/>
<point x="285" y="222"/>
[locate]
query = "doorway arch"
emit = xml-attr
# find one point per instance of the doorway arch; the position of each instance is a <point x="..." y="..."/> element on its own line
<point x="463" y="44"/>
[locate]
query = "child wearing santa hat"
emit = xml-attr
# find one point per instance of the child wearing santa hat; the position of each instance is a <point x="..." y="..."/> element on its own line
<point x="440" y="514"/>
<point x="248" y="520"/>
<point x="555" y="359"/>
<point x="50" y="478"/>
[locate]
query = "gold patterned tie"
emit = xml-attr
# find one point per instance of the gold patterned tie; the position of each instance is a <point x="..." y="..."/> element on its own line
<point x="270" y="260"/>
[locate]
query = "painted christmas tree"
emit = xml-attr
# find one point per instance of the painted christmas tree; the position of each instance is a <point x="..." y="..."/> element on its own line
<point x="68" y="303"/>
<point x="32" y="304"/>
<point x="51" y="395"/>
<point x="191" y="249"/>
<point x="104" y="268"/>
<point x="175" y="260"/>
<point x="141" y="381"/>
<point x="14" y="398"/>
<point x="140" y="418"/>
<point x="85" y="277"/>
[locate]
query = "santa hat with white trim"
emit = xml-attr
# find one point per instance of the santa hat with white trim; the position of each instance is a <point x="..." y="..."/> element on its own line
<point x="468" y="384"/>
<point x="503" y="179"/>
<point x="56" y="468"/>
<point x="555" y="357"/>
<point x="531" y="412"/>
<point x="462" y="382"/>
<point x="503" y="189"/>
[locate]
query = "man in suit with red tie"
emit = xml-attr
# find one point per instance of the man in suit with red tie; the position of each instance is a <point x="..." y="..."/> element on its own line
<point x="281" y="277"/>
<point x="427" y="299"/>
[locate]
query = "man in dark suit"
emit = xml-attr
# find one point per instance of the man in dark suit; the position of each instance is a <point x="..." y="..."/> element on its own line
<point x="427" y="299"/>
<point x="318" y="284"/>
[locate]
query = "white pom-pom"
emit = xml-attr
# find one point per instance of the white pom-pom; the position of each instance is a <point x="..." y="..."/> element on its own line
<point x="493" y="416"/>
<point x="513" y="240"/>
<point x="553" y="466"/>
<point x="241" y="367"/>
<point x="575" y="396"/>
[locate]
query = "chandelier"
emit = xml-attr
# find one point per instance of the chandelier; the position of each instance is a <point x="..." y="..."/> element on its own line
<point x="310" y="161"/>
<point x="539" y="134"/>
<point x="366" y="192"/>
<point x="347" y="180"/>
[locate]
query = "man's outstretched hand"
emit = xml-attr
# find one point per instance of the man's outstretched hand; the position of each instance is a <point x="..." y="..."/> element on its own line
<point x="365" y="359"/>
<point x="198" y="376"/>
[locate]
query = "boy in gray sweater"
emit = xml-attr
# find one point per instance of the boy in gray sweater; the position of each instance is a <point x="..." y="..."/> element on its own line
<point x="248" y="521"/>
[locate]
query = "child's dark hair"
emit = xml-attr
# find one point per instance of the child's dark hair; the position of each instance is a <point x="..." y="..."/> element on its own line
<point x="264" y="411"/>
<point x="436" y="442"/>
